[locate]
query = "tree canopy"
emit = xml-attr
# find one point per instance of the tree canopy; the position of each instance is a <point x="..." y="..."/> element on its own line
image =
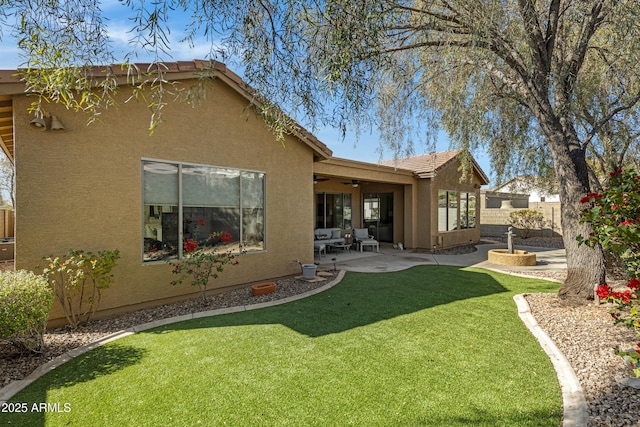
<point x="549" y="85"/>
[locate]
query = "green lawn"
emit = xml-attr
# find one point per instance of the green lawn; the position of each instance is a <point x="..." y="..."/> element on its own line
<point x="429" y="346"/>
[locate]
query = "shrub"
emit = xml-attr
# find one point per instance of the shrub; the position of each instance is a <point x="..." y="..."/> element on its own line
<point x="526" y="220"/>
<point x="78" y="281"/>
<point x="614" y="216"/>
<point x="25" y="302"/>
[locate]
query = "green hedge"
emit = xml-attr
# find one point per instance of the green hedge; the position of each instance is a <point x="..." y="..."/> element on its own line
<point x="25" y="302"/>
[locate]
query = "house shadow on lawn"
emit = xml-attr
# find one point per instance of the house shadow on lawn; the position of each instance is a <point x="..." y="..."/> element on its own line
<point x="362" y="299"/>
<point x="100" y="362"/>
<point x="104" y="360"/>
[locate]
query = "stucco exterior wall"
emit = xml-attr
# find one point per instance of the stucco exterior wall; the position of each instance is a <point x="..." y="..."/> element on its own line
<point x="424" y="215"/>
<point x="82" y="189"/>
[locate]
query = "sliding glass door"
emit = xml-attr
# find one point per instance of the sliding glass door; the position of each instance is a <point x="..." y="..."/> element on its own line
<point x="378" y="215"/>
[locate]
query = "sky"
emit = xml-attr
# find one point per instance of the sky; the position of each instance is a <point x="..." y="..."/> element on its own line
<point x="366" y="148"/>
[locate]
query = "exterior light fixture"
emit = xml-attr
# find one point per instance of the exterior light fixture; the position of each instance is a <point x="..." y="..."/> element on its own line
<point x="39" y="123"/>
<point x="46" y="122"/>
<point x="56" y="125"/>
<point x="354" y="183"/>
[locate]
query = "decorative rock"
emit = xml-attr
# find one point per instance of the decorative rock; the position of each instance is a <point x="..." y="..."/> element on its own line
<point x="629" y="382"/>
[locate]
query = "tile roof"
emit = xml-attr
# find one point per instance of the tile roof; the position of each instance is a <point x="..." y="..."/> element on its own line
<point x="424" y="164"/>
<point x="427" y="165"/>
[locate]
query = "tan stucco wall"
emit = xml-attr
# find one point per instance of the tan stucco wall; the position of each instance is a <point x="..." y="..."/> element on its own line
<point x="82" y="189"/>
<point x="424" y="215"/>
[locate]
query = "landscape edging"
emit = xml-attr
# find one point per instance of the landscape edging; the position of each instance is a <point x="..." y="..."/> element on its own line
<point x="575" y="412"/>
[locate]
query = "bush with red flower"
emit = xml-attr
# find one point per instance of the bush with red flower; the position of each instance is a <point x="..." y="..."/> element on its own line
<point x="204" y="262"/>
<point x="614" y="216"/>
<point x="625" y="311"/>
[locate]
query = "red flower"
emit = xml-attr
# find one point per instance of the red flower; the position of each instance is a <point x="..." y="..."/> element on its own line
<point x="613" y="207"/>
<point x="616" y="172"/>
<point x="201" y="221"/>
<point x="627" y="222"/>
<point x="588" y="197"/>
<point x="624" y="297"/>
<point x="190" y="245"/>
<point x="634" y="283"/>
<point x="225" y="237"/>
<point x="603" y="291"/>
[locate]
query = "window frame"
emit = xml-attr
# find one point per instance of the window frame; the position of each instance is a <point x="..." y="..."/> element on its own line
<point x="447" y="218"/>
<point x="180" y="206"/>
<point x="462" y="198"/>
<point x="465" y="198"/>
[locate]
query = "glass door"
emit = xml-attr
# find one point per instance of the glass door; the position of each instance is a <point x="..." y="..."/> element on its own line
<point x="378" y="215"/>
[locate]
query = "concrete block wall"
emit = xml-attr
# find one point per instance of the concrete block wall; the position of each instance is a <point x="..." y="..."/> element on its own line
<point x="495" y="222"/>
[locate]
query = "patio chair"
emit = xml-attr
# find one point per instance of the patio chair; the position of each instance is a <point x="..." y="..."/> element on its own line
<point x="362" y="238"/>
<point x="320" y="248"/>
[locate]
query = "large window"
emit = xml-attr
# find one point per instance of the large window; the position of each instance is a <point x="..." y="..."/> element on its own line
<point x="333" y="210"/>
<point x="450" y="209"/>
<point x="186" y="201"/>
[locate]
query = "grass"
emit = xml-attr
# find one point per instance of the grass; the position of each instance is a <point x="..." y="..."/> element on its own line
<point x="429" y="346"/>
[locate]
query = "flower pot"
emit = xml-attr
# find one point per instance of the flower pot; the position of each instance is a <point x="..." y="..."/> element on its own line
<point x="263" y="288"/>
<point x="309" y="271"/>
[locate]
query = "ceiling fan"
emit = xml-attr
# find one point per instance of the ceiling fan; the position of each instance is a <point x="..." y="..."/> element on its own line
<point x="317" y="180"/>
<point x="354" y="183"/>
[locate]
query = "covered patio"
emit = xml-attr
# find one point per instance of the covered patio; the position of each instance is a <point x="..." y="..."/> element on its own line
<point x="418" y="202"/>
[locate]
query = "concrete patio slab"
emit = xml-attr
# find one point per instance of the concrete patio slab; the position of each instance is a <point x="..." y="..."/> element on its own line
<point x="389" y="259"/>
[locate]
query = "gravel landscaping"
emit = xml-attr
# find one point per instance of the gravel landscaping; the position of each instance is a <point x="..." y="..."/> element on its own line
<point x="585" y="335"/>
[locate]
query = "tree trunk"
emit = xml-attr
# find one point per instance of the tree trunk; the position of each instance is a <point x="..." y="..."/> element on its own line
<point x="585" y="266"/>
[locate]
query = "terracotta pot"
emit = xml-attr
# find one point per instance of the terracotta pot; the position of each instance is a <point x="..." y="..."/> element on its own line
<point x="263" y="288"/>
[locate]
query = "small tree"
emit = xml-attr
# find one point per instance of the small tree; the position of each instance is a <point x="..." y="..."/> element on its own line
<point x="78" y="281"/>
<point x="525" y="221"/>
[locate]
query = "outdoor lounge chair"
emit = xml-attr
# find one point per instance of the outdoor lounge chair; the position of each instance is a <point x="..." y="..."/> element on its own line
<point x="362" y="238"/>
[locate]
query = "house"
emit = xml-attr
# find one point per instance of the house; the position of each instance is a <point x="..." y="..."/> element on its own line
<point x="213" y="167"/>
<point x="532" y="186"/>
